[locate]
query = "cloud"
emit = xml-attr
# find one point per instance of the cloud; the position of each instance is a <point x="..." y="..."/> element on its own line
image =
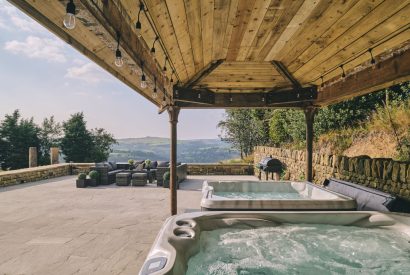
<point x="39" y="48"/>
<point x="88" y="72"/>
<point x="10" y="14"/>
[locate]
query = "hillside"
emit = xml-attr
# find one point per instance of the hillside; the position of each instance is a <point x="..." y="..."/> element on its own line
<point x="157" y="148"/>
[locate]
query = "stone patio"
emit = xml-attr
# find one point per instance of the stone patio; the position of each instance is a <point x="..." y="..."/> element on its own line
<point x="51" y="227"/>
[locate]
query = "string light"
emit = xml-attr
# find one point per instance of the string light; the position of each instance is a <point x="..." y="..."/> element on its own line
<point x="199" y="95"/>
<point x="343" y="71"/>
<point x="164" y="101"/>
<point x="164" y="70"/>
<point x="372" y="61"/>
<point x="69" y="18"/>
<point x="143" y="83"/>
<point x="138" y="24"/>
<point x="322" y="85"/>
<point x="172" y="80"/>
<point x="155" y="94"/>
<point x="153" y="46"/>
<point x="118" y="56"/>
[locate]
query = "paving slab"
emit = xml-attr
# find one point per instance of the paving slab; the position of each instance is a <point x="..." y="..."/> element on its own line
<point x="52" y="227"/>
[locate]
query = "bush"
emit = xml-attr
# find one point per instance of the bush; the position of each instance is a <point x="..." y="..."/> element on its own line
<point x="82" y="176"/>
<point x="131" y="162"/>
<point x="166" y="176"/>
<point x="93" y="175"/>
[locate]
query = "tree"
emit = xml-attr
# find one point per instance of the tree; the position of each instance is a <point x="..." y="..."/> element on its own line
<point x="242" y="129"/>
<point x="102" y="142"/>
<point x="50" y="136"/>
<point x="16" y="136"/>
<point x="77" y="142"/>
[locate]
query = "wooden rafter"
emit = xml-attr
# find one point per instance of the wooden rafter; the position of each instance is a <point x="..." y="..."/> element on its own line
<point x="285" y="73"/>
<point x="203" y="73"/>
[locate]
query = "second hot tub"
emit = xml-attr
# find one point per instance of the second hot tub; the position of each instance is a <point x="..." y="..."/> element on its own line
<point x="264" y="195"/>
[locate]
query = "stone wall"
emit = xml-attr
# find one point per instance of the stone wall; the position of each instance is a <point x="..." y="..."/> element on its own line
<point x="19" y="176"/>
<point x="384" y="174"/>
<point x="219" y="169"/>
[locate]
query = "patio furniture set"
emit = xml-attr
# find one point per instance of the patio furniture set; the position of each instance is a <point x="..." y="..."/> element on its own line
<point x="137" y="173"/>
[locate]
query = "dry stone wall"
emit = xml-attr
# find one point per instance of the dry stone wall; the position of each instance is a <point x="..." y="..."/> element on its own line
<point x="219" y="169"/>
<point x="383" y="174"/>
<point x="20" y="176"/>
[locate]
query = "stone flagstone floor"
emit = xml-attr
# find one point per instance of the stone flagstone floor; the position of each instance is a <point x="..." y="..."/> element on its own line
<point x="52" y="227"/>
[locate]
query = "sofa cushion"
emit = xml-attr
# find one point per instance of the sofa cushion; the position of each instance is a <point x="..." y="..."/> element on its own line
<point x="163" y="164"/>
<point x="154" y="164"/>
<point x="113" y="165"/>
<point x="140" y="167"/>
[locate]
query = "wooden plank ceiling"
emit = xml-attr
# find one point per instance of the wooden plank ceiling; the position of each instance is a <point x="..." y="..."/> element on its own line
<point x="311" y="38"/>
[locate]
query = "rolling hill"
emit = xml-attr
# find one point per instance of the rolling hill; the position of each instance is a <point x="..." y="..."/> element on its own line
<point x="157" y="148"/>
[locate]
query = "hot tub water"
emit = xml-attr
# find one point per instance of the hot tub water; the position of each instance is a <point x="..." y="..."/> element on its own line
<point x="301" y="249"/>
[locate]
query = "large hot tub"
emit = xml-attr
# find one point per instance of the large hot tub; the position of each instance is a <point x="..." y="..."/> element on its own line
<point x="264" y="195"/>
<point x="266" y="242"/>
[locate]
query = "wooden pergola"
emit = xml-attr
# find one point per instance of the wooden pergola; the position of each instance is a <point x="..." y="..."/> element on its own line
<point x="240" y="53"/>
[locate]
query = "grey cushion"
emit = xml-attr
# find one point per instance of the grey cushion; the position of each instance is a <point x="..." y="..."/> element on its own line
<point x="154" y="164"/>
<point x="140" y="167"/>
<point x="163" y="164"/>
<point x="366" y="198"/>
<point x="113" y="165"/>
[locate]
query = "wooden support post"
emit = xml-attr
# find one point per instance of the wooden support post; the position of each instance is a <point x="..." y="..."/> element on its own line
<point x="32" y="157"/>
<point x="173" y="113"/>
<point x="309" y="115"/>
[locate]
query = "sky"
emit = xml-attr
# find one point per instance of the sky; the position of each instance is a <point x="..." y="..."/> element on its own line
<point x="42" y="76"/>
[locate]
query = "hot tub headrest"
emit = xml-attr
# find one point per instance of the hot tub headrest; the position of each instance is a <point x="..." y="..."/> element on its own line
<point x="366" y="198"/>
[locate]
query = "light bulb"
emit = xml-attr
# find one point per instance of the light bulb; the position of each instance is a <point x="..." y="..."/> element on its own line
<point x="69" y="18"/>
<point x="155" y="94"/>
<point x="153" y="51"/>
<point x="118" y="58"/>
<point x="69" y="21"/>
<point x="138" y="28"/>
<point x="164" y="71"/>
<point x="199" y="96"/>
<point x="172" y="80"/>
<point x="230" y="98"/>
<point x="143" y="83"/>
<point x="164" y="101"/>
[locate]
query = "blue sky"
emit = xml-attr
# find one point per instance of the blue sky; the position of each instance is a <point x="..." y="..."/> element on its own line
<point x="42" y="76"/>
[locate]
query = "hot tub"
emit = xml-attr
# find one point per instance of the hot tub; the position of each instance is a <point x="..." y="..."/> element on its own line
<point x="267" y="242"/>
<point x="268" y="195"/>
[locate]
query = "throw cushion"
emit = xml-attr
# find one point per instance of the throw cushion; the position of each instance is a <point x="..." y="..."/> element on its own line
<point x="140" y="167"/>
<point x="113" y="165"/>
<point x="138" y="162"/>
<point x="154" y="164"/>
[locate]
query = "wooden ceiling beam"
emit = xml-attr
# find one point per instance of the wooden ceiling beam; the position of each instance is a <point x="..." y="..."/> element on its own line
<point x="390" y="71"/>
<point x="112" y="18"/>
<point x="285" y="73"/>
<point x="195" y="98"/>
<point x="203" y="73"/>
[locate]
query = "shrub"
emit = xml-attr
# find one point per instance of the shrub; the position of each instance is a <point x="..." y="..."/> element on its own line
<point x="166" y="176"/>
<point x="131" y="162"/>
<point x="82" y="176"/>
<point x="93" y="175"/>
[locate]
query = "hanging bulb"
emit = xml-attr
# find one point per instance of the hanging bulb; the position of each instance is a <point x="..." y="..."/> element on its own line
<point x="230" y="98"/>
<point x="118" y="58"/>
<point x="164" y="101"/>
<point x="143" y="83"/>
<point x="343" y="73"/>
<point x="164" y="71"/>
<point x="172" y="80"/>
<point x="322" y="85"/>
<point x="69" y="18"/>
<point x="138" y="24"/>
<point x="154" y="93"/>
<point x="199" y="96"/>
<point x="138" y="28"/>
<point x="153" y="51"/>
<point x="372" y="61"/>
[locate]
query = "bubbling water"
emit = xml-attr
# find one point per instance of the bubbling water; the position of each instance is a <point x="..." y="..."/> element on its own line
<point x="261" y="195"/>
<point x="301" y="249"/>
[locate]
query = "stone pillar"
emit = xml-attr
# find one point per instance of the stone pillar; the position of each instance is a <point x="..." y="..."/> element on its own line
<point x="32" y="157"/>
<point x="54" y="153"/>
<point x="173" y="113"/>
<point x="309" y="115"/>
